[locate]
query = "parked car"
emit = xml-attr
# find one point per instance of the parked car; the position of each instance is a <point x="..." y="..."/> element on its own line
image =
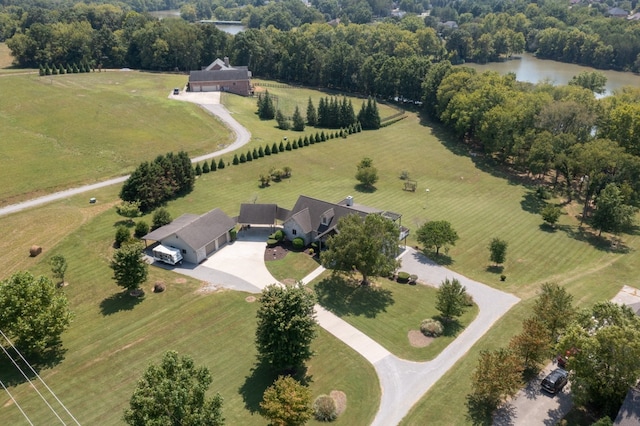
<point x="555" y="381"/>
<point x="176" y="91"/>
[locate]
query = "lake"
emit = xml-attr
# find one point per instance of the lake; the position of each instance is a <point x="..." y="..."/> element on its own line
<point x="232" y="29"/>
<point x="528" y="68"/>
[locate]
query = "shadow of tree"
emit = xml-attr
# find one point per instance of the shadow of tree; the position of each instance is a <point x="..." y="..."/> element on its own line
<point x="545" y="227"/>
<point x="532" y="203"/>
<point x="495" y="269"/>
<point x="451" y="327"/>
<point x="119" y="302"/>
<point x="367" y="189"/>
<point x="129" y="223"/>
<point x="440" y="258"/>
<point x="261" y="377"/>
<point x="343" y="297"/>
<point x="10" y="375"/>
<point x="480" y="412"/>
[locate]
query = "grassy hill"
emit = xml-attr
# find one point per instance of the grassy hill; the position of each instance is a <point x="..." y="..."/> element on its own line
<point x="110" y="342"/>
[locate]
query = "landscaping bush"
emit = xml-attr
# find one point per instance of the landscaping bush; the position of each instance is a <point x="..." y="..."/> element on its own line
<point x="403" y="277"/>
<point x="468" y="300"/>
<point x="272" y="242"/>
<point x="325" y="409"/>
<point x="298" y="243"/>
<point x="142" y="229"/>
<point x="122" y="235"/>
<point x="431" y="327"/>
<point x="233" y="234"/>
<point x="311" y="252"/>
<point x="158" y="287"/>
<point x="413" y="278"/>
<point x="279" y="235"/>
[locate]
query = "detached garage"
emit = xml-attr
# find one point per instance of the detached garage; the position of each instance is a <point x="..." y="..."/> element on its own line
<point x="196" y="236"/>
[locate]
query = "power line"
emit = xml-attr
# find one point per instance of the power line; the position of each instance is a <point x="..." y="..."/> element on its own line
<point x="16" y="403"/>
<point x="40" y="378"/>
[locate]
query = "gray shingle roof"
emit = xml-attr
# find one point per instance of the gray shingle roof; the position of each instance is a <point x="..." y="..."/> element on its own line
<point x="308" y="212"/>
<point x="220" y="75"/>
<point x="258" y="214"/>
<point x="629" y="414"/>
<point x="195" y="231"/>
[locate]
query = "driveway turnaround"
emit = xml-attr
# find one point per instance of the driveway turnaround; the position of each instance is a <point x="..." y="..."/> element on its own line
<point x="211" y="104"/>
<point x="403" y="382"/>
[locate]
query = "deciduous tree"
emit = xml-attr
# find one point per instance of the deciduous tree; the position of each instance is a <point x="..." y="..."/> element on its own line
<point x="451" y="299"/>
<point x="438" y="234"/>
<point x="550" y="214"/>
<point x="554" y="308"/>
<point x="174" y="393"/>
<point x="532" y="344"/>
<point x="366" y="174"/>
<point x="612" y="214"/>
<point x="161" y="217"/>
<point x="129" y="267"/>
<point x="498" y="251"/>
<point x="287" y="403"/>
<point x="369" y="246"/>
<point x="58" y="267"/>
<point x="33" y="313"/>
<point x="286" y="326"/>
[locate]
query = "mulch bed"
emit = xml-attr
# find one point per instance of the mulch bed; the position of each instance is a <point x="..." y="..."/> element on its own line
<point x="418" y="340"/>
<point x="276" y="253"/>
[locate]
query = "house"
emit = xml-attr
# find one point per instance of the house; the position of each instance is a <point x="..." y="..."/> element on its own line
<point x="616" y="12"/>
<point x="221" y="76"/>
<point x="261" y="214"/>
<point x="629" y="414"/>
<point x="196" y="236"/>
<point x="314" y="220"/>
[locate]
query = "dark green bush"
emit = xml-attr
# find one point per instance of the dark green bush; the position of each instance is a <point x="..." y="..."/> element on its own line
<point x="298" y="243"/>
<point x="122" y="235"/>
<point x="403" y="277"/>
<point x="142" y="229"/>
<point x="279" y="234"/>
<point x="431" y="327"/>
<point x="272" y="242"/>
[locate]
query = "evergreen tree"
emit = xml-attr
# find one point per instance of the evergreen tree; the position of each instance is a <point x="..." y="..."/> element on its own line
<point x="281" y="147"/>
<point x="69" y="69"/>
<point x="317" y="138"/>
<point x="267" y="150"/>
<point x="243" y="158"/>
<point x="294" y="145"/>
<point x="298" y="121"/>
<point x="312" y="118"/>
<point x="274" y="148"/>
<point x="287" y="147"/>
<point x="322" y="119"/>
<point x="256" y="155"/>
<point x="283" y="122"/>
<point x="323" y="137"/>
<point x="41" y="71"/>
<point x="306" y="141"/>
<point x="266" y="109"/>
<point x="236" y="160"/>
<point x="300" y="143"/>
<point x="62" y="70"/>
<point x="249" y="156"/>
<point x="221" y="164"/>
<point x="261" y="152"/>
<point x="205" y="167"/>
<point x="214" y="165"/>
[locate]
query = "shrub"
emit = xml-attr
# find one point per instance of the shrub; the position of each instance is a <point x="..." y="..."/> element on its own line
<point x="325" y="409"/>
<point x="205" y="167"/>
<point x="503" y="277"/>
<point x="543" y="193"/>
<point x="403" y="277"/>
<point x="236" y="160"/>
<point x="221" y="164"/>
<point x="468" y="300"/>
<point x="413" y="278"/>
<point x="198" y="170"/>
<point x="272" y="242"/>
<point x="431" y="327"/>
<point x="311" y="252"/>
<point x="161" y="217"/>
<point x="279" y="235"/>
<point x="298" y="243"/>
<point x="122" y="235"/>
<point x="158" y="287"/>
<point x="142" y="229"/>
<point x="233" y="234"/>
<point x="214" y="165"/>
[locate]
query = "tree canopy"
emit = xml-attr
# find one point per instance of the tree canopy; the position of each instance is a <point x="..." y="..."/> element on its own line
<point x="286" y="403"/>
<point x="286" y="326"/>
<point x="33" y="313"/>
<point x="498" y="251"/>
<point x="451" y="299"/>
<point x="554" y="309"/>
<point x="438" y="234"/>
<point x="368" y="245"/>
<point x="173" y="393"/>
<point x="366" y="174"/>
<point x="130" y="270"/>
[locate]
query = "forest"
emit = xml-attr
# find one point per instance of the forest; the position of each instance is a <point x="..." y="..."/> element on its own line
<point x="582" y="143"/>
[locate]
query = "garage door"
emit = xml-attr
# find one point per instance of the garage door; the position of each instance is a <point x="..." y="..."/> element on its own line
<point x="210" y="248"/>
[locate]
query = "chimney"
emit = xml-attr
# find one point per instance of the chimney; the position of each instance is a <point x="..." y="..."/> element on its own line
<point x="349" y="200"/>
<point x="226" y="61"/>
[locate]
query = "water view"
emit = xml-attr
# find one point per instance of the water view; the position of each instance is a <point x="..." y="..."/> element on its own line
<point x="528" y="68"/>
<point x="232" y="29"/>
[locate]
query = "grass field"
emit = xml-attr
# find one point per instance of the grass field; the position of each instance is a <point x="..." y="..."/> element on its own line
<point x="479" y="202"/>
<point x="294" y="266"/>
<point x="387" y="311"/>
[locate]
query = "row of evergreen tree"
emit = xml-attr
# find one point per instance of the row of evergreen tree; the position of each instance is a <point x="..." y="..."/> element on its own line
<point x="61" y="69"/>
<point x="276" y="148"/>
<point x="155" y="182"/>
<point x="332" y="113"/>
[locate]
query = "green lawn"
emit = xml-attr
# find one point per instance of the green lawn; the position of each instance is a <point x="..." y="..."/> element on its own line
<point x="386" y="311"/>
<point x="114" y="337"/>
<point x="480" y="202"/>
<point x="294" y="266"/>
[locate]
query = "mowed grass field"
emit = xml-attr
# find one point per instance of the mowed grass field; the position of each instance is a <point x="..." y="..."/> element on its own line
<point x="479" y="202"/>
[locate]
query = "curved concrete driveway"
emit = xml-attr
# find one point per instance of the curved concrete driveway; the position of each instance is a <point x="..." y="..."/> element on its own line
<point x="210" y="103"/>
<point x="403" y="382"/>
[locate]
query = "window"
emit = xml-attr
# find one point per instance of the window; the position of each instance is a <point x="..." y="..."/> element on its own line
<point x="294" y="232"/>
<point x="184" y="251"/>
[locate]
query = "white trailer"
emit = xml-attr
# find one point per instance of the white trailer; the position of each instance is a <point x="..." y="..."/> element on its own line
<point x="170" y="255"/>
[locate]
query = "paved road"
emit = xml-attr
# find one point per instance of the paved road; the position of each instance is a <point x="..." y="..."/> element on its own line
<point x="242" y="137"/>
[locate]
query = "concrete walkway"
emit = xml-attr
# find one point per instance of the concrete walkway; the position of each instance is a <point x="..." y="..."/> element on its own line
<point x="211" y="104"/>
